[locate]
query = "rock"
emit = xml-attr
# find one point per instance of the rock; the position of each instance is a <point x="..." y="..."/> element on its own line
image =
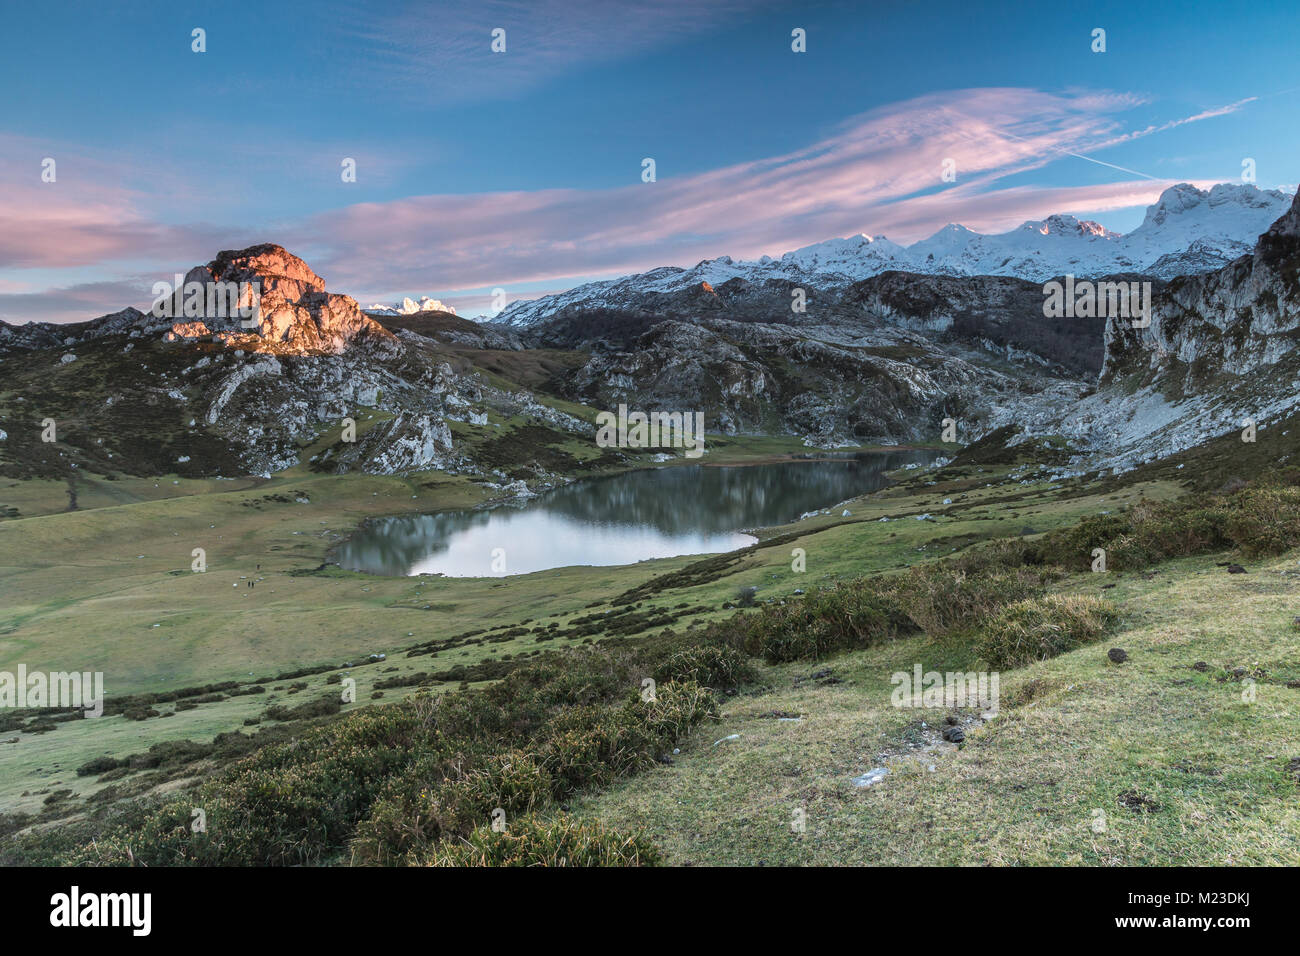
<point x="1236" y="569"/>
<point x="294" y="310"/>
<point x="873" y="776"/>
<point x="1117" y="655"/>
<point x="1200" y="666"/>
<point x="954" y="735"/>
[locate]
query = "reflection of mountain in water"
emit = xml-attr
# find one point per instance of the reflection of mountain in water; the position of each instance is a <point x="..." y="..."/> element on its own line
<point x="393" y="545"/>
<point x="681" y="502"/>
<point x="694" y="498"/>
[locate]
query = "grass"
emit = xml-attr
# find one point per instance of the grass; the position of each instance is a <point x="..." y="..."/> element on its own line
<point x="872" y="590"/>
<point x="1184" y="770"/>
<point x="85" y="589"/>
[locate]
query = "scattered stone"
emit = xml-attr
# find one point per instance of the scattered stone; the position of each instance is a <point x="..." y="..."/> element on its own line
<point x="954" y="735"/>
<point x="1201" y="666"/>
<point x="1236" y="569"/>
<point x="1117" y="655"/>
<point x="872" y="776"/>
<point x="725" y="739"/>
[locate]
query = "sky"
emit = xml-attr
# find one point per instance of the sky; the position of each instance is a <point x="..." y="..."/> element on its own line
<point x="523" y="170"/>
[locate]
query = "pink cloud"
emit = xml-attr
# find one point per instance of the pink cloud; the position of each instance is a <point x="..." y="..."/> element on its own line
<point x="877" y="173"/>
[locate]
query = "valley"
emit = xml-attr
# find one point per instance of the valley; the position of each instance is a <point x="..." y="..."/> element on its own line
<point x="314" y="711"/>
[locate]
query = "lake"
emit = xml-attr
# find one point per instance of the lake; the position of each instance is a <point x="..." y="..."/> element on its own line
<point x="621" y="519"/>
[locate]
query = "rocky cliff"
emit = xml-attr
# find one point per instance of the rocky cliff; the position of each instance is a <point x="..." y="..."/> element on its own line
<point x="295" y="313"/>
<point x="1220" y="352"/>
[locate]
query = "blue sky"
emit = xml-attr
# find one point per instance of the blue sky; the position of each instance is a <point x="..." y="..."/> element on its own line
<point x="522" y="170"/>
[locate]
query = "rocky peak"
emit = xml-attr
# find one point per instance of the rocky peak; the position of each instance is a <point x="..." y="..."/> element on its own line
<point x="295" y="312"/>
<point x="1065" y="225"/>
<point x="1174" y="200"/>
<point x="274" y="266"/>
<point x="1286" y="226"/>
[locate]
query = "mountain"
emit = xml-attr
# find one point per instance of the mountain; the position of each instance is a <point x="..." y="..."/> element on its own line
<point x="1187" y="230"/>
<point x="410" y="307"/>
<point x="882" y="359"/>
<point x="1219" y="353"/>
<point x="202" y="395"/>
<point x="884" y="362"/>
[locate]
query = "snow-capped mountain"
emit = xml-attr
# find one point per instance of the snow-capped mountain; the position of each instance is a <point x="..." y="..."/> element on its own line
<point x="1218" y="354"/>
<point x="1188" y="230"/>
<point x="409" y="306"/>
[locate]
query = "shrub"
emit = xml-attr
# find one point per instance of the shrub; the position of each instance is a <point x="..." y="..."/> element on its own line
<point x="941" y="599"/>
<point x="96" y="766"/>
<point x="529" y="842"/>
<point x="710" y="665"/>
<point x="285" y="804"/>
<point x="445" y="796"/>
<point x="678" y="707"/>
<point x="322" y="707"/>
<point x="438" y="799"/>
<point x="1265" y="521"/>
<point x="855" y="615"/>
<point x="1039" y="628"/>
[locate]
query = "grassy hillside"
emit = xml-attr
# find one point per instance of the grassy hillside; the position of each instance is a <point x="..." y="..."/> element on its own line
<point x="1163" y="756"/>
<point x="205" y="674"/>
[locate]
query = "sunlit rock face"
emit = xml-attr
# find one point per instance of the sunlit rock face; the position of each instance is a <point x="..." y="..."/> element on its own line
<point x="295" y="312"/>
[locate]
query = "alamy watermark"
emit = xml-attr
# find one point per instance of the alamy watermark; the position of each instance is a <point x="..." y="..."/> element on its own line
<point x="651" y="430"/>
<point x="932" y="689"/>
<point x="208" y="300"/>
<point x="62" y="689"/>
<point x="1084" y="299"/>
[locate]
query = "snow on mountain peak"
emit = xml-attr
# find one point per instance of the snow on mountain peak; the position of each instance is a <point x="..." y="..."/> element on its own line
<point x="1185" y="229"/>
<point x="408" y="306"/>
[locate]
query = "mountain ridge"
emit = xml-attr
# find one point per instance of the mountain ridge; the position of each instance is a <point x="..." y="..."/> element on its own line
<point x="1186" y="230"/>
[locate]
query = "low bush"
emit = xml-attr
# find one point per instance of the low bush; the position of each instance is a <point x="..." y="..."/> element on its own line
<point x="709" y="665"/>
<point x="1039" y="628"/>
<point x="529" y="842"/>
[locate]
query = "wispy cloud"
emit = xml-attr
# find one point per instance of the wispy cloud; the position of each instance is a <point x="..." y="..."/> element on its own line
<point x="418" y="50"/>
<point x="877" y="173"/>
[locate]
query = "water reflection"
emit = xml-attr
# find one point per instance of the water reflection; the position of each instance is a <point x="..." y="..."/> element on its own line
<point x="658" y="513"/>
